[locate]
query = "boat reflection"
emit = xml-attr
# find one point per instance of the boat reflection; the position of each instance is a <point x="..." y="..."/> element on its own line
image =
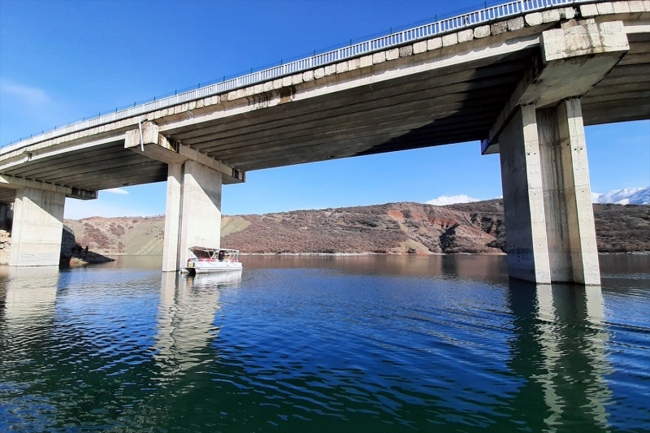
<point x="214" y="280"/>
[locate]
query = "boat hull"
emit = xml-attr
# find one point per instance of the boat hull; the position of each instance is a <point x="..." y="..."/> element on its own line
<point x="212" y="267"/>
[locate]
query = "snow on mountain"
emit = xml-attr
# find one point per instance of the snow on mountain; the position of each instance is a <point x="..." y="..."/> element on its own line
<point x="641" y="197"/>
<point x="444" y="200"/>
<point x="623" y="196"/>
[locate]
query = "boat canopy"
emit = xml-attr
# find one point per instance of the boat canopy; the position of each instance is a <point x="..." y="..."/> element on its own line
<point x="212" y="253"/>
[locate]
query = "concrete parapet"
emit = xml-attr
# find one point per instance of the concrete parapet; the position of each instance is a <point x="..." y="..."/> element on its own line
<point x="482" y="32"/>
<point x="515" y="24"/>
<point x="551" y="16"/>
<point x="621" y="7"/>
<point x="365" y="61"/>
<point x="533" y="19"/>
<point x="465" y="35"/>
<point x="589" y="10"/>
<point x="392" y="54"/>
<point x="434" y="44"/>
<point x="308" y="75"/>
<point x="567" y="13"/>
<point x="419" y="47"/>
<point x="406" y="51"/>
<point x="605" y="8"/>
<point x="330" y="70"/>
<point x="450" y="39"/>
<point x="499" y="27"/>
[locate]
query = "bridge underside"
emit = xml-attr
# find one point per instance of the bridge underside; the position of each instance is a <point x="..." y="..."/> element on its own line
<point x="362" y="115"/>
<point x="429" y="93"/>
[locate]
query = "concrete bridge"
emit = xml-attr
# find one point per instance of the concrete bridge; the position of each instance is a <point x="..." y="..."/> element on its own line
<point x="524" y="77"/>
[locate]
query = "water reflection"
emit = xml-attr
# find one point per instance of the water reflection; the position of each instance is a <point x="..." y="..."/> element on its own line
<point x="186" y="320"/>
<point x="560" y="351"/>
<point x="491" y="268"/>
<point x="29" y="297"/>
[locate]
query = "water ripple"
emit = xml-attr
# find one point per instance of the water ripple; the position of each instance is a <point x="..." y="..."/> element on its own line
<point x="319" y="349"/>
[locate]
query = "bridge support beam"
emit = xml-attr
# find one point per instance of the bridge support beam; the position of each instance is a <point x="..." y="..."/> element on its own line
<point x="193" y="215"/>
<point x="37" y="227"/>
<point x="547" y="197"/>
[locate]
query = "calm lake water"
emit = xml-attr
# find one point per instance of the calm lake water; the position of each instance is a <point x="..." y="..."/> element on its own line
<point x="324" y="344"/>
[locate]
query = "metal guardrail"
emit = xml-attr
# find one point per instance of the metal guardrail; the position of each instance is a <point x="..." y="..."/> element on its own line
<point x="459" y="22"/>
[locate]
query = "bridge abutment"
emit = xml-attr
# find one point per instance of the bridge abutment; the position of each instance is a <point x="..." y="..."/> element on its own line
<point x="547" y="198"/>
<point x="37" y="227"/>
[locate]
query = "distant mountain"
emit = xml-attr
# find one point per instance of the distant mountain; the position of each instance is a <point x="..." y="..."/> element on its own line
<point x="623" y="196"/>
<point x="395" y="228"/>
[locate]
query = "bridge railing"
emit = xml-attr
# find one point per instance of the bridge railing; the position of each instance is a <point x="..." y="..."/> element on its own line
<point x="437" y="28"/>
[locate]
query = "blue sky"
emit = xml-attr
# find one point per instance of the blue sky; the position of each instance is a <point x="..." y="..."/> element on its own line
<point x="61" y="61"/>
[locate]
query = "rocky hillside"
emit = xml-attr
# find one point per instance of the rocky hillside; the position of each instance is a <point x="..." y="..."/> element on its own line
<point x="112" y="236"/>
<point x="402" y="228"/>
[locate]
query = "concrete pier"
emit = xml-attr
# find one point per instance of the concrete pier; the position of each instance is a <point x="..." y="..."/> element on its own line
<point x="194" y="184"/>
<point x="37" y="227"/>
<point x="193" y="212"/>
<point x="551" y="235"/>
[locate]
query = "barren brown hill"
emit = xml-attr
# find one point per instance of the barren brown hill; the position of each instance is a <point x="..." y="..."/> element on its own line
<point x="400" y="228"/>
<point x="115" y="236"/>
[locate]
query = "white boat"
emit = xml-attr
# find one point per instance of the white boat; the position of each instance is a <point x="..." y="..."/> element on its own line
<point x="207" y="260"/>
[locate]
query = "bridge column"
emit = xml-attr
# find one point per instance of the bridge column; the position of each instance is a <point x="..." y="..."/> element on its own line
<point x="194" y="182"/>
<point x="172" y="217"/>
<point x="193" y="211"/>
<point x="547" y="198"/>
<point x="37" y="227"/>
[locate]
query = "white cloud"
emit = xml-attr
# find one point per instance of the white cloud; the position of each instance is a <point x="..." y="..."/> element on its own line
<point x="79" y="209"/>
<point x="32" y="96"/>
<point x="116" y="191"/>
<point x="444" y="200"/>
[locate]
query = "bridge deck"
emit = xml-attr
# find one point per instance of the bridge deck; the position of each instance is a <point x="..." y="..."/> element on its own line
<point x="444" y="93"/>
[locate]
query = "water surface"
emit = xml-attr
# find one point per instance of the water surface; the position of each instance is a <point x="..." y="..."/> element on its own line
<point x="322" y="344"/>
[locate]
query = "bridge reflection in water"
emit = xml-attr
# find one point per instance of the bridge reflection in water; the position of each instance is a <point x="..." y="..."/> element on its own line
<point x="559" y="351"/>
<point x="88" y="349"/>
<point x="186" y="318"/>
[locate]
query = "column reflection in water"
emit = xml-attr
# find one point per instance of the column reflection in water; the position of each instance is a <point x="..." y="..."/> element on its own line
<point x="560" y="352"/>
<point x="30" y="294"/>
<point x="27" y="307"/>
<point x="186" y="322"/>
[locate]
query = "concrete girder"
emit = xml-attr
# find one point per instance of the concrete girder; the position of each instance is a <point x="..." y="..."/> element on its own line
<point x="13" y="182"/>
<point x="44" y="153"/>
<point x="149" y="142"/>
<point x="385" y="72"/>
<point x="428" y="103"/>
<point x="376" y="95"/>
